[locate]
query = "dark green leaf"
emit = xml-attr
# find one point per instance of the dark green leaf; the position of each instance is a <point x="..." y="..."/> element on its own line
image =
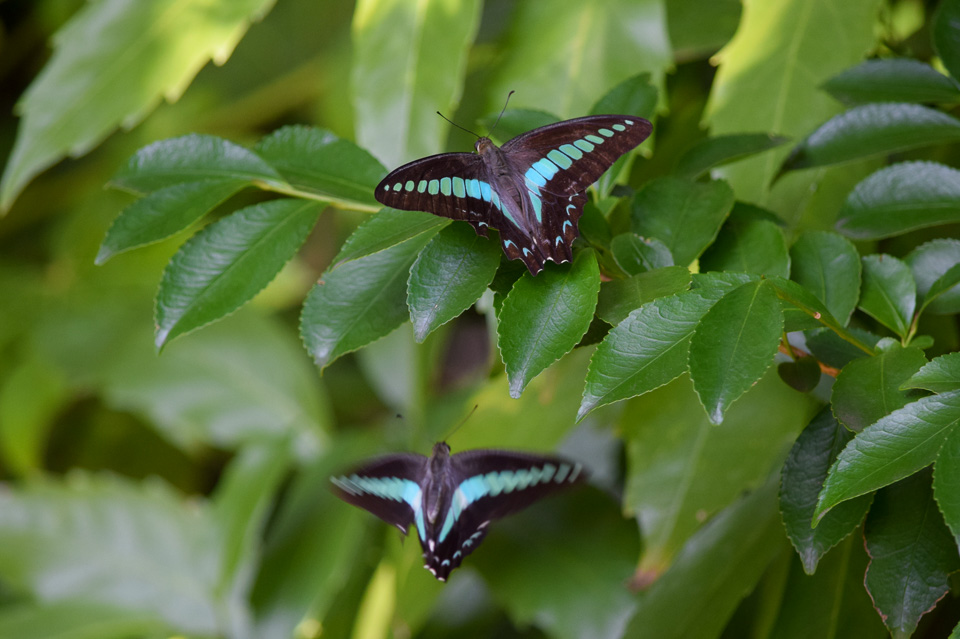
<point x="160" y="214"/>
<point x="870" y="130"/>
<point x="945" y="38"/>
<point x="889" y="293"/>
<point x="633" y="96"/>
<point x="901" y="198"/>
<point x="796" y="296"/>
<point x="386" y="229"/>
<point x="228" y="262"/>
<point x="930" y="263"/>
<point x="869" y="388"/>
<point x="685" y="216"/>
<point x="318" y="162"/>
<point x="800" y="482"/>
<point x="802" y="374"/>
<point x="911" y="554"/>
<point x="359" y="301"/>
<point x="544" y="317"/>
<point x="734" y="344"/>
<point x="831" y="349"/>
<point x="723" y="149"/>
<point x="892" y="80"/>
<point x="618" y="298"/>
<point x="635" y="254"/>
<point x="450" y="274"/>
<point x="748" y="244"/>
<point x="888" y="450"/>
<point x="942" y="375"/>
<point x="828" y="265"/>
<point x="192" y="158"/>
<point x="946" y="478"/>
<point x="946" y="284"/>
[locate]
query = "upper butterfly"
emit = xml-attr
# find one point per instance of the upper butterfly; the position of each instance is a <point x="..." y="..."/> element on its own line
<point x="532" y="189"/>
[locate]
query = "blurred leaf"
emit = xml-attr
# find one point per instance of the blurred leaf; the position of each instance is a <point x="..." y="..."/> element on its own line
<point x="679" y="470"/>
<point x="685" y="216"/>
<point x="112" y="63"/>
<point x="720" y="150"/>
<point x="223" y="266"/>
<point x="635" y="254"/>
<point x="945" y="38"/>
<point x="748" y="244"/>
<point x="800" y="482"/>
<point x="78" y="620"/>
<point x="633" y="96"/>
<point x="399" y="83"/>
<point x="163" y="212"/>
<point x="901" y="198"/>
<point x="544" y="317"/>
<point x="869" y="388"/>
<point x="618" y="298"/>
<point x="872" y="129"/>
<point x="318" y="162"/>
<point x="941" y="375"/>
<point x="450" y="274"/>
<point x="890" y="449"/>
<point x="733" y="345"/>
<point x="911" y="554"/>
<point x="580" y="51"/>
<point x="892" y="80"/>
<point x="929" y="263"/>
<point x="192" y="158"/>
<point x="801" y="374"/>
<point x="359" y="301"/>
<point x="889" y="294"/>
<point x="946" y="478"/>
<point x="516" y="122"/>
<point x="828" y="265"/>
<point x="697" y="29"/>
<point x="31" y="396"/>
<point x="388" y="228"/>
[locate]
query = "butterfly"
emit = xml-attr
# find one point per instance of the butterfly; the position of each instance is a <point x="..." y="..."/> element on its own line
<point x="451" y="499"/>
<point x="532" y="189"/>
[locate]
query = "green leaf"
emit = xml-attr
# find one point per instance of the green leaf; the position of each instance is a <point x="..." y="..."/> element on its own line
<point x="828" y="265"/>
<point x="450" y="274"/>
<point x="870" y="130"/>
<point x="679" y="470"/>
<point x="112" y="62"/>
<point x="946" y="478"/>
<point x="635" y="254"/>
<point x="516" y="122"/>
<point x="192" y="158"/>
<point x="889" y="293"/>
<point x="946" y="284"/>
<point x="78" y="619"/>
<point x="160" y="214"/>
<point x="697" y="30"/>
<point x="723" y="149"/>
<point x="685" y="216"/>
<point x="945" y="39"/>
<point x="892" y="80"/>
<point x="386" y="229"/>
<point x="828" y="347"/>
<point x="318" y="162"/>
<point x="358" y="302"/>
<point x="901" y="198"/>
<point x="646" y="350"/>
<point x="32" y="396"/>
<point x="618" y="298"/>
<point x="941" y="375"/>
<point x="801" y="374"/>
<point x="911" y="554"/>
<point x="570" y="69"/>
<point x="892" y="448"/>
<point x="544" y="317"/>
<point x="800" y="482"/>
<point x="228" y="262"/>
<point x="930" y="263"/>
<point x="748" y="244"/>
<point x="869" y="388"/>
<point x="398" y="84"/>
<point x="733" y="345"/>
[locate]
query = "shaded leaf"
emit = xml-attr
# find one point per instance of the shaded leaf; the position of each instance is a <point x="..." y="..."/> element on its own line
<point x="930" y="263"/>
<point x="889" y="294"/>
<point x="748" y="244"/>
<point x="941" y="375"/>
<point x="892" y="80"/>
<point x="723" y="149"/>
<point x="869" y="388"/>
<point x="802" y="374"/>
<point x="828" y="265"/>
<point x="618" y="298"/>
<point x="946" y="478"/>
<point x="635" y="254"/>
<point x="945" y="38"/>
<point x="829" y="348"/>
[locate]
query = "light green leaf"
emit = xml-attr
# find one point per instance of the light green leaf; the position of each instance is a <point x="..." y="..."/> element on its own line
<point x="398" y="84"/>
<point x="111" y="65"/>
<point x="31" y="398"/>
<point x="892" y="80"/>
<point x="889" y="292"/>
<point x="78" y="619"/>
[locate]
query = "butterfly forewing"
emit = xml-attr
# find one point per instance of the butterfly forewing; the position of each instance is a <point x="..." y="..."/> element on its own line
<point x="389" y="487"/>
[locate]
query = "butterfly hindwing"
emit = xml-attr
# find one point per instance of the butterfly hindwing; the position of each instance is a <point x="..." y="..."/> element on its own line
<point x="389" y="487"/>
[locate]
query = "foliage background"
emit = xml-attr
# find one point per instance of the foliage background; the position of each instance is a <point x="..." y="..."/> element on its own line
<point x="187" y="493"/>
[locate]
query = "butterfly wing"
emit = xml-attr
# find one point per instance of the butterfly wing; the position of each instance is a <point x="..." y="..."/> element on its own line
<point x="567" y="157"/>
<point x="487" y="485"/>
<point x="388" y="486"/>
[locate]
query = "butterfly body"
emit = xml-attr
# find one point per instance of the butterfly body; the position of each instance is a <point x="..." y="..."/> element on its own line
<point x="451" y="499"/>
<point x="532" y="189"/>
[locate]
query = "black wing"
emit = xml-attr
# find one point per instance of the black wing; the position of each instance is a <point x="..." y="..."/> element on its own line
<point x="389" y="487"/>
<point x="567" y="157"/>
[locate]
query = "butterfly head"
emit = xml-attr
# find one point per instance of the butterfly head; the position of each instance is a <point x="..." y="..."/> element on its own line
<point x="484" y="145"/>
<point x="441" y="452"/>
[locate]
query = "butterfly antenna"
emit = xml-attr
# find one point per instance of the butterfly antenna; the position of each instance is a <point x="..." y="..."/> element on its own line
<point x="462" y="422"/>
<point x="457" y="125"/>
<point x="505" y="103"/>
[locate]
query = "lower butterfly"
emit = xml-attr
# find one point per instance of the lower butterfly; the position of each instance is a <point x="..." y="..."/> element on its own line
<point x="532" y="189"/>
<point x="451" y="499"/>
